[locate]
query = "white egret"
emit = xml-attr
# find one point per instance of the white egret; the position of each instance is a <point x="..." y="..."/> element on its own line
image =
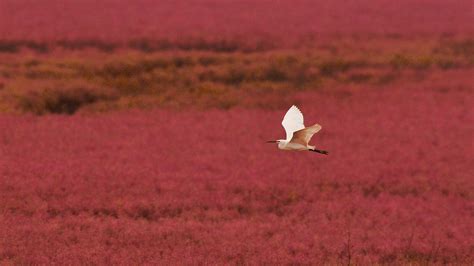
<point x="297" y="135"/>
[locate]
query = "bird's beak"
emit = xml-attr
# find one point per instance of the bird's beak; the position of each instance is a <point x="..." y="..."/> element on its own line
<point x="271" y="141"/>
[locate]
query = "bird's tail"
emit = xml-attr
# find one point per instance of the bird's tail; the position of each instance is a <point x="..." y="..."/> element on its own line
<point x="319" y="151"/>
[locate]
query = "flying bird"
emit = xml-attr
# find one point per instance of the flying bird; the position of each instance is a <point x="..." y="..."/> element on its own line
<point x="297" y="135"/>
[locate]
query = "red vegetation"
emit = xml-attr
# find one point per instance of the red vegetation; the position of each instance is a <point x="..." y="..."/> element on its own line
<point x="193" y="181"/>
<point x="203" y="187"/>
<point x="125" y="20"/>
<point x="88" y="80"/>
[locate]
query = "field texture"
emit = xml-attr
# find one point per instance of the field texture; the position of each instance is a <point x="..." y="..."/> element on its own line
<point x="134" y="133"/>
<point x="284" y="20"/>
<point x="203" y="187"/>
<point x="90" y="80"/>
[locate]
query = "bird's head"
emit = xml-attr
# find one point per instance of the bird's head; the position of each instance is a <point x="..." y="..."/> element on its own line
<point x="275" y="141"/>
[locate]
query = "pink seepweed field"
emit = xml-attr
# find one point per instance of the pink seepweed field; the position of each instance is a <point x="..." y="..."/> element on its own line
<point x="119" y="20"/>
<point x="203" y="187"/>
<point x="134" y="132"/>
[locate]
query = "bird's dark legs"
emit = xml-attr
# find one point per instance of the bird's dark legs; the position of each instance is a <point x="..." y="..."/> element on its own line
<point x="320" y="151"/>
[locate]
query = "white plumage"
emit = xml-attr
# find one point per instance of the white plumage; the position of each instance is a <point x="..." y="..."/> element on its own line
<point x="297" y="135"/>
<point x="293" y="121"/>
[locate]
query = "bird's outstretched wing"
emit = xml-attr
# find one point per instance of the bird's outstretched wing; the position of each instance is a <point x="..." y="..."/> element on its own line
<point x="293" y="121"/>
<point x="303" y="136"/>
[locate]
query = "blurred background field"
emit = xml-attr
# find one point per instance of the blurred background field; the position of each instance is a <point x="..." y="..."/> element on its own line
<point x="133" y="132"/>
<point x="88" y="56"/>
<point x="98" y="77"/>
